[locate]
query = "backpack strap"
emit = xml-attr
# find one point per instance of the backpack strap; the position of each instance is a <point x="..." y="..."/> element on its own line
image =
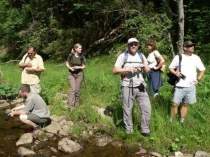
<point x="25" y="58"/>
<point x="126" y="58"/>
<point x="180" y="60"/>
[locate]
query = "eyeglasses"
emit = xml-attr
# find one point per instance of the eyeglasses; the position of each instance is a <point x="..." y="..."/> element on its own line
<point x="133" y="44"/>
<point x="30" y="53"/>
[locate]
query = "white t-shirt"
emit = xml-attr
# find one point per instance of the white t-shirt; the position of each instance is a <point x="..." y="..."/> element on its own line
<point x="189" y="66"/>
<point x="152" y="58"/>
<point x="136" y="76"/>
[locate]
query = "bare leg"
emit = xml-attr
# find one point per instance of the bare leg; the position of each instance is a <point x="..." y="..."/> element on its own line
<point x="174" y="110"/>
<point x="184" y="110"/>
<point x="24" y="119"/>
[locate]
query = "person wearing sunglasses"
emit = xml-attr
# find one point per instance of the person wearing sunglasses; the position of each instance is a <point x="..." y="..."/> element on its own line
<point x="185" y="88"/>
<point x="32" y="65"/>
<point x="133" y="86"/>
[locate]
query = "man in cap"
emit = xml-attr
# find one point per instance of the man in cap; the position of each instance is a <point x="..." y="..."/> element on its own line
<point x="185" y="90"/>
<point x="32" y="65"/>
<point x="131" y="65"/>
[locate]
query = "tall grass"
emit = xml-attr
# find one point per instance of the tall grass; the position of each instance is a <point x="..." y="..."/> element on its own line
<point x="102" y="89"/>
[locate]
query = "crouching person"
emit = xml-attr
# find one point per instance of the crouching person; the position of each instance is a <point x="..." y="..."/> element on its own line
<point x="34" y="112"/>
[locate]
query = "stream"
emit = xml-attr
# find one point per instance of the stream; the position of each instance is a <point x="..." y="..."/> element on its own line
<point x="11" y="131"/>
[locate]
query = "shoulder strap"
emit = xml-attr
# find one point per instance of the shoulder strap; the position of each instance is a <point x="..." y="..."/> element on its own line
<point x="140" y="55"/>
<point x="25" y="58"/>
<point x="180" y="60"/>
<point x="126" y="58"/>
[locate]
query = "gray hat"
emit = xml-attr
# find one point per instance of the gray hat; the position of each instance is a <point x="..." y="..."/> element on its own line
<point x="188" y="43"/>
<point x="132" y="40"/>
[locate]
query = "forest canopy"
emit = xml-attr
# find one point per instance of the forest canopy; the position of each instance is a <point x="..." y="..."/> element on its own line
<point x="99" y="25"/>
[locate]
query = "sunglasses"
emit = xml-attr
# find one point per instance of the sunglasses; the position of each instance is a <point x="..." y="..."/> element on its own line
<point x="133" y="44"/>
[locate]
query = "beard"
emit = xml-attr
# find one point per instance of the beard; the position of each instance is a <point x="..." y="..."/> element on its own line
<point x="190" y="52"/>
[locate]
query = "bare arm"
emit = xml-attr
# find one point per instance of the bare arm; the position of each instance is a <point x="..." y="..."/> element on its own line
<point x="161" y="62"/>
<point x="17" y="111"/>
<point x="23" y="65"/>
<point x="83" y="66"/>
<point x="122" y="71"/>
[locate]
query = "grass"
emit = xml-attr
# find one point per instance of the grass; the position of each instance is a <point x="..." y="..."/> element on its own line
<point x="102" y="89"/>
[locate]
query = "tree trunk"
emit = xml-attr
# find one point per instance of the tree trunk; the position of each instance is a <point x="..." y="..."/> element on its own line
<point x="181" y="25"/>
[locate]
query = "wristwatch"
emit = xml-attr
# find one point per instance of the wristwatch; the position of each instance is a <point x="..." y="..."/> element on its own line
<point x="198" y="80"/>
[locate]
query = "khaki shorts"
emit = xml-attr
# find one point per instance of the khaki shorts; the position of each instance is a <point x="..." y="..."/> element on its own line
<point x="35" y="88"/>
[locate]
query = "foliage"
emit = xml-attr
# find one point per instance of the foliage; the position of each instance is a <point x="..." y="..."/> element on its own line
<point x="54" y="27"/>
<point x="102" y="90"/>
<point x="8" y="92"/>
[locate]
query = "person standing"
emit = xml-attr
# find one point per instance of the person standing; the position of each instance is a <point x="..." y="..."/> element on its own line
<point x="133" y="86"/>
<point x="75" y="63"/>
<point x="155" y="61"/>
<point x="32" y="65"/>
<point x="34" y="112"/>
<point x="185" y="89"/>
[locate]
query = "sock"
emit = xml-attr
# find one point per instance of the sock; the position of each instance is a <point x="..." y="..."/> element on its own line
<point x="181" y="120"/>
<point x="171" y="120"/>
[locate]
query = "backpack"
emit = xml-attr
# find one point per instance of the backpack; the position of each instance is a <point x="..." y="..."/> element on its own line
<point x="171" y="78"/>
<point x="126" y="61"/>
<point x="126" y="58"/>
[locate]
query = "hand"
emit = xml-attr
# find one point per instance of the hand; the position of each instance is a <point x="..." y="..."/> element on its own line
<point x="156" y="68"/>
<point x="71" y="68"/>
<point x="12" y="113"/>
<point x="196" y="82"/>
<point x="76" y="67"/>
<point x="131" y="69"/>
<point x="146" y="69"/>
<point x="29" y="70"/>
<point x="28" y="64"/>
<point x="178" y="74"/>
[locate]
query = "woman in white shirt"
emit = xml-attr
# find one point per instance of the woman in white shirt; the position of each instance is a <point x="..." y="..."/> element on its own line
<point x="155" y="61"/>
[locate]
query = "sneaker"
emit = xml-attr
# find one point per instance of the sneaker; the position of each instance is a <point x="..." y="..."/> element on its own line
<point x="171" y="120"/>
<point x="145" y="134"/>
<point x="156" y="95"/>
<point x="181" y="120"/>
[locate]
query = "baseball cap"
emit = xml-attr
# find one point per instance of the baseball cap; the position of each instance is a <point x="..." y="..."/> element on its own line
<point x="131" y="40"/>
<point x="188" y="43"/>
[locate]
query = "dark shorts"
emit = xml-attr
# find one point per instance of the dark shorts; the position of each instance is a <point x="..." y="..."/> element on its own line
<point x="34" y="118"/>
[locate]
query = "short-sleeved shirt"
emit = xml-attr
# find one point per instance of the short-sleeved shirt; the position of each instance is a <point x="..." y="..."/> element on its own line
<point x="36" y="105"/>
<point x="152" y="58"/>
<point x="76" y="61"/>
<point x="32" y="77"/>
<point x="136" y="77"/>
<point x="189" y="66"/>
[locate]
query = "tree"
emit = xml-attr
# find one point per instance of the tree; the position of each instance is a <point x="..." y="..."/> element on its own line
<point x="181" y="25"/>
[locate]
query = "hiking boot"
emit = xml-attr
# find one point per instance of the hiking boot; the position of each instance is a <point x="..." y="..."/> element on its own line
<point x="145" y="134"/>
